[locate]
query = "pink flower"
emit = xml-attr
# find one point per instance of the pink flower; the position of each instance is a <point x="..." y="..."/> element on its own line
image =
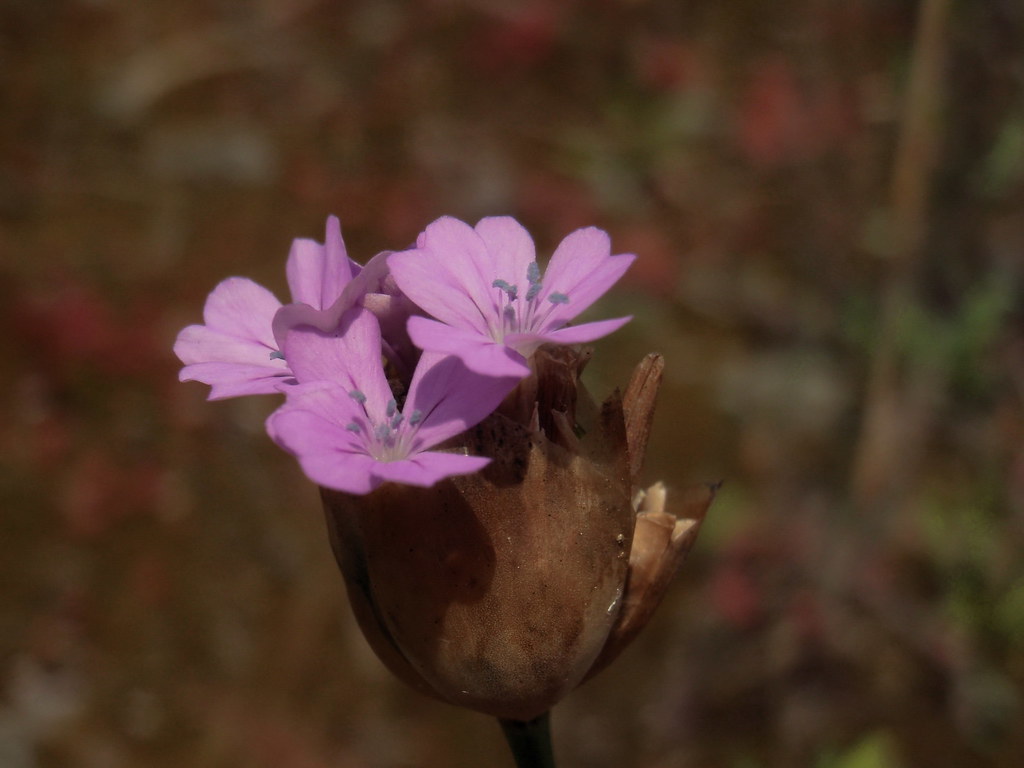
<point x="346" y="427"/>
<point x="491" y="304"/>
<point x="235" y="350"/>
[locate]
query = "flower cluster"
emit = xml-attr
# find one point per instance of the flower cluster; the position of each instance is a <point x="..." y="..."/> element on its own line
<point x="382" y="364"/>
<point x="537" y="559"/>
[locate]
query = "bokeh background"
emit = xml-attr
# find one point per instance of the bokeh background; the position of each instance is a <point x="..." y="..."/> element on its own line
<point x="828" y="203"/>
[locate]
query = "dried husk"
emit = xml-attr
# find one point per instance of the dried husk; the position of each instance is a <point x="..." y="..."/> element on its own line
<point x="503" y="590"/>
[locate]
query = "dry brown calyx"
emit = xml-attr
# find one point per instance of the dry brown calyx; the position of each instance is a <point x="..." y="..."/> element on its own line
<point x="503" y="590"/>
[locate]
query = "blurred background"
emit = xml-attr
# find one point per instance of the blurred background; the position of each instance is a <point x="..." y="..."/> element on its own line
<point x="827" y="199"/>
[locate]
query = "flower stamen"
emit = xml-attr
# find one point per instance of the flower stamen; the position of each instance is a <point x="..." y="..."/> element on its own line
<point x="512" y="291"/>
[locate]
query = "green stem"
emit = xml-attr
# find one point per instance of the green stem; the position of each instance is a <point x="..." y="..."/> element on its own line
<point x="530" y="741"/>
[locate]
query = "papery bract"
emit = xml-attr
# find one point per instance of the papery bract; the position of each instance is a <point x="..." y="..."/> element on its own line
<point x="235" y="350"/>
<point x="345" y="426"/>
<point x="492" y="306"/>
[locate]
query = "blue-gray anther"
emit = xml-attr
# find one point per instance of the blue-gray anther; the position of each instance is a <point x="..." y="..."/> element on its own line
<point x="510" y="290"/>
<point x="558" y="298"/>
<point x="277" y="355"/>
<point x="415" y="418"/>
<point x="533" y="273"/>
<point x="392" y="405"/>
<point x="382" y="431"/>
<point x="358" y="396"/>
<point x="396" y="420"/>
<point x="353" y="427"/>
<point x="534" y="290"/>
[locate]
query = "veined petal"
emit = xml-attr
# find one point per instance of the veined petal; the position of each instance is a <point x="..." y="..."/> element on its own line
<point x="236" y="379"/>
<point x="242" y="308"/>
<point x="351" y="473"/>
<point x="449" y="275"/>
<point x="511" y="249"/>
<point x="583" y="269"/>
<point x="331" y="402"/>
<point x="589" y="290"/>
<point x="232" y="352"/>
<point x="450" y="398"/>
<point x="230" y="365"/>
<point x="304" y="271"/>
<point x="367" y="279"/>
<point x="349" y="356"/>
<point x="575" y="334"/>
<point x="330" y="455"/>
<point x="426" y="469"/>
<point x="309" y="425"/>
<point x="480" y="353"/>
<point x="202" y="344"/>
<point x="317" y="274"/>
<point x="294" y="315"/>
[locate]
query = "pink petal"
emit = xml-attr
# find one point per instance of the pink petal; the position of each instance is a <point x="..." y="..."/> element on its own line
<point x="583" y="269"/>
<point x="449" y="275"/>
<point x="202" y="344"/>
<point x="304" y="271"/>
<point x="241" y="308"/>
<point x="350" y="356"/>
<point x="511" y="249"/>
<point x="426" y="469"/>
<point x="574" y="334"/>
<point x="236" y="379"/>
<point x="329" y="454"/>
<point x="369" y="280"/>
<point x="451" y="398"/>
<point x="232" y="365"/>
<point x="292" y="315"/>
<point x="351" y="473"/>
<point x="308" y="428"/>
<point x="480" y="353"/>
<point x="317" y="274"/>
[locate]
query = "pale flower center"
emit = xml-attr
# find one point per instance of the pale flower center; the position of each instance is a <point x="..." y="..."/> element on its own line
<point x="387" y="439"/>
<point x="524" y="314"/>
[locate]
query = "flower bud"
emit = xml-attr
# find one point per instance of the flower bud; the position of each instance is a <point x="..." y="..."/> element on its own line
<point x="503" y="590"/>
